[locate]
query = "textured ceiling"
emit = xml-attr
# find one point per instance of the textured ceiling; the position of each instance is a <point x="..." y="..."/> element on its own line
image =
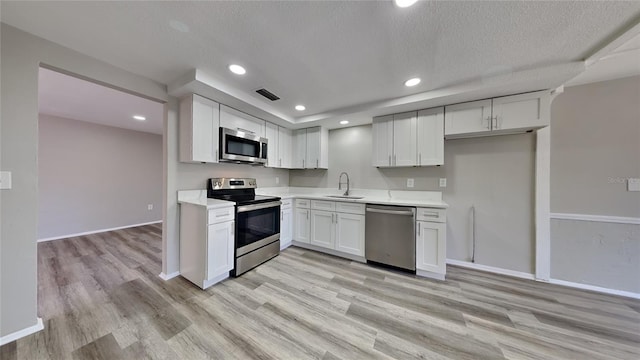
<point x="331" y="55"/>
<point x="68" y="97"/>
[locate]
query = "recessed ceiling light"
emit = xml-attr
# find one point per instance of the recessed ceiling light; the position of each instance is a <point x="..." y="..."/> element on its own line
<point x="344" y="122"/>
<point x="139" y="117"/>
<point x="301" y="108"/>
<point x="412" y="82"/>
<point x="405" y="3"/>
<point x="237" y="69"/>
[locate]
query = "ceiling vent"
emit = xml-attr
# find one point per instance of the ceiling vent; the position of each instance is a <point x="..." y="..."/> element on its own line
<point x="268" y="94"/>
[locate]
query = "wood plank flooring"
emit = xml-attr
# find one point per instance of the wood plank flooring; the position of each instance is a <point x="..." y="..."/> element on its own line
<point x="101" y="298"/>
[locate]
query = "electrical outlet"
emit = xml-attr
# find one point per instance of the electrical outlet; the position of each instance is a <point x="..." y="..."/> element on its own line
<point x="150" y="207"/>
<point x="410" y="183"/>
<point x="277" y="180"/>
<point x="443" y="182"/>
<point x="633" y="184"/>
<point x="5" y="180"/>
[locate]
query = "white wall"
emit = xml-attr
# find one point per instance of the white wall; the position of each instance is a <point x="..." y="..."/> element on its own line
<point x="496" y="174"/>
<point x="93" y="177"/>
<point x="21" y="55"/>
<point x="595" y="147"/>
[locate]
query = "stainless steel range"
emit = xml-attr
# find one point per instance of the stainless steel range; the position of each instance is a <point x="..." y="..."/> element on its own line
<point x="257" y="224"/>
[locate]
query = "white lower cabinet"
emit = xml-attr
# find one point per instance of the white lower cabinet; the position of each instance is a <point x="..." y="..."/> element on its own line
<point x="206" y="244"/>
<point x="431" y="246"/>
<point x="286" y="224"/>
<point x="301" y="224"/>
<point x="340" y="231"/>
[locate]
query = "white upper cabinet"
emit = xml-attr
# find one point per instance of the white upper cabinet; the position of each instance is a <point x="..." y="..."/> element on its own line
<point x="404" y="139"/>
<point x="430" y="143"/>
<point x="198" y="133"/>
<point x="466" y="118"/>
<point x="271" y="133"/>
<point x="311" y="148"/>
<point x="503" y="115"/>
<point x="233" y="119"/>
<point x="409" y="139"/>
<point x="382" y="134"/>
<point x="521" y="112"/>
<point x="285" y="147"/>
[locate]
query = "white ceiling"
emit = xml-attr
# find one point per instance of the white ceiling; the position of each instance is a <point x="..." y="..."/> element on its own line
<point x="69" y="97"/>
<point x="342" y="59"/>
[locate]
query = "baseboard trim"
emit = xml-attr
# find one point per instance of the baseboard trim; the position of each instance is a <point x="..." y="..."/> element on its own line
<point x="596" y="218"/>
<point x="98" y="231"/>
<point x="599" y="289"/>
<point x="170" y="276"/>
<point x="22" y="333"/>
<point x="491" y="269"/>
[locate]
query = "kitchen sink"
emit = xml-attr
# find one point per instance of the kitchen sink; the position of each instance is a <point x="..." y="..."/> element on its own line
<point x="345" y="196"/>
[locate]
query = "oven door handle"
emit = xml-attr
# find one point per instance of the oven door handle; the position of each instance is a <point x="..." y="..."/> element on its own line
<point x="245" y="208"/>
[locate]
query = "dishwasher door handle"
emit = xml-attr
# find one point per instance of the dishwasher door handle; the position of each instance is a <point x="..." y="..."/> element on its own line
<point x="391" y="212"/>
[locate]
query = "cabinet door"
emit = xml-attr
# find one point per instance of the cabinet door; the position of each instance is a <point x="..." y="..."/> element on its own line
<point x="430" y="137"/>
<point x="285" y="146"/>
<point x="301" y="228"/>
<point x="322" y="229"/>
<point x="404" y="139"/>
<point x="299" y="148"/>
<point x="431" y="252"/>
<point x="237" y="120"/>
<point x="272" y="145"/>
<point x="525" y="111"/>
<point x="467" y="118"/>
<point x="220" y="244"/>
<point x="286" y="227"/>
<point x="314" y="158"/>
<point x="382" y="136"/>
<point x="199" y="122"/>
<point x="350" y="233"/>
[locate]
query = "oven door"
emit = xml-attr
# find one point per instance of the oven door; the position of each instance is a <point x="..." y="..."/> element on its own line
<point x="257" y="225"/>
<point x="242" y="146"/>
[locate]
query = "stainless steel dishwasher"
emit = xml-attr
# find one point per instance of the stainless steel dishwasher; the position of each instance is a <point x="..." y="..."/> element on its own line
<point x="390" y="236"/>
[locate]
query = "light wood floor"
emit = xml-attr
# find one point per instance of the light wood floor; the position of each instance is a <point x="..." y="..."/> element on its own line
<point x="101" y="298"/>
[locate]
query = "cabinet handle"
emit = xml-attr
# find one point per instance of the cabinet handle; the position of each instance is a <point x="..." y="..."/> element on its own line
<point x="303" y="163"/>
<point x="418" y="229"/>
<point x="217" y="159"/>
<point x="389" y="160"/>
<point x="307" y="214"/>
<point x="317" y="163"/>
<point x="495" y="126"/>
<point x="420" y="159"/>
<point x="395" y="159"/>
<point x="473" y="233"/>
<point x="489" y="121"/>
<point x="280" y="163"/>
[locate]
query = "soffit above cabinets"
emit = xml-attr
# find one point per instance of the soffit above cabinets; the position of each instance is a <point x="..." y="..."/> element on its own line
<point x="338" y="58"/>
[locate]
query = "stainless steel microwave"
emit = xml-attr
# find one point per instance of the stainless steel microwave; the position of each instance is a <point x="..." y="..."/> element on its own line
<point x="242" y="147"/>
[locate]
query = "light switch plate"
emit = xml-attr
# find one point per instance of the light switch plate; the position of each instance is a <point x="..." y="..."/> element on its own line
<point x="443" y="182"/>
<point x="409" y="182"/>
<point x="5" y="180"/>
<point x="150" y="207"/>
<point x="633" y="184"/>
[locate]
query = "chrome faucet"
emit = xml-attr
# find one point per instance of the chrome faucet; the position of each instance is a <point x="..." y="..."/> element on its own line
<point x="346" y="193"/>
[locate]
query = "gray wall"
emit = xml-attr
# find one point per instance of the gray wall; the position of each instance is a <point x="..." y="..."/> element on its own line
<point x="93" y="177"/>
<point x="595" y="146"/>
<point x="185" y="176"/>
<point x="496" y="174"/>
<point x="21" y="55"/>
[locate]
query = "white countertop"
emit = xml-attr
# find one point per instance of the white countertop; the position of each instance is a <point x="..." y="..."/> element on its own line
<point x="199" y="197"/>
<point x="431" y="199"/>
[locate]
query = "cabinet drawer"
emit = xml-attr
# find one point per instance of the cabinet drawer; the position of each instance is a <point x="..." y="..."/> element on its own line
<point x="220" y="215"/>
<point x="430" y="214"/>
<point x="286" y="203"/>
<point x="323" y="205"/>
<point x="303" y="203"/>
<point x="350" y="208"/>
